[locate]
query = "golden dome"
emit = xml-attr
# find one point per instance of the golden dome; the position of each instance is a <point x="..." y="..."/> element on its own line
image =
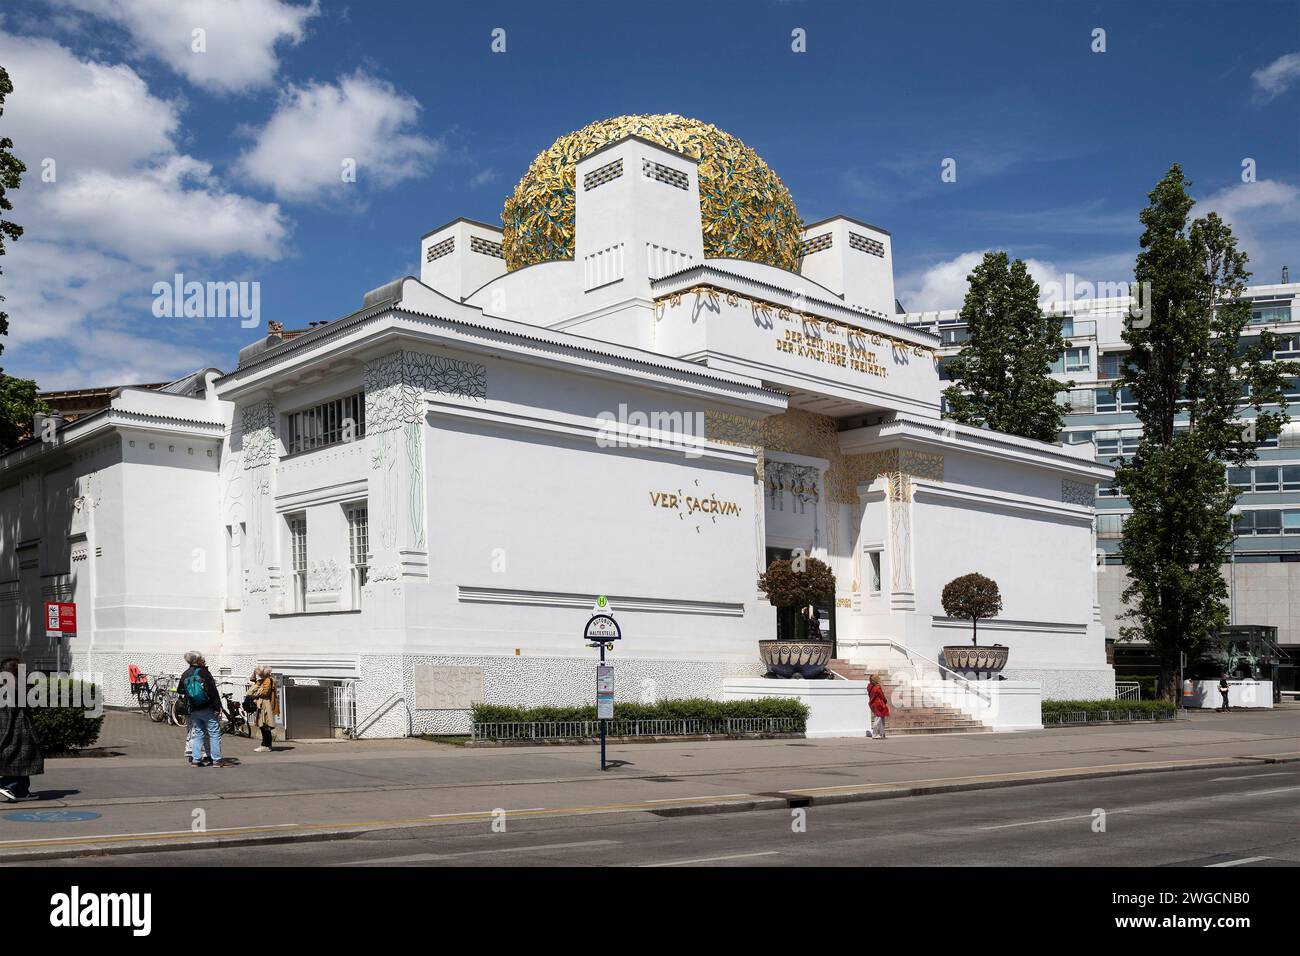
<point x="747" y="212"/>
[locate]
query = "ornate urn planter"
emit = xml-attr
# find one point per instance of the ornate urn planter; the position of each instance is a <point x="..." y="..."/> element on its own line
<point x="795" y="658"/>
<point x="963" y="657"/>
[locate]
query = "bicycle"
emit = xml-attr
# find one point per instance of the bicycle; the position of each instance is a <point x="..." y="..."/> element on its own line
<point x="233" y="718"/>
<point x="143" y="691"/>
<point x="165" y="693"/>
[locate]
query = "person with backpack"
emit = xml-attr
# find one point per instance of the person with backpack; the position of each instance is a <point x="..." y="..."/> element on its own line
<point x="200" y="692"/>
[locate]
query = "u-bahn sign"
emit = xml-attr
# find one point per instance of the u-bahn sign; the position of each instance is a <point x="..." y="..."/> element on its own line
<point x="601" y="629"/>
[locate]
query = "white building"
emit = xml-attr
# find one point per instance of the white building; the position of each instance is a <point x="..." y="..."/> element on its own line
<point x="413" y="506"/>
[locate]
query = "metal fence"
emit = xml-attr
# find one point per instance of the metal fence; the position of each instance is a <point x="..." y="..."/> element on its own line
<point x="1128" y="690"/>
<point x="1106" y="717"/>
<point x="682" y="727"/>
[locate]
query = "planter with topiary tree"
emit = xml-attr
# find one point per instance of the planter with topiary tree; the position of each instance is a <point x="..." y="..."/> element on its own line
<point x="973" y="597"/>
<point x="800" y="583"/>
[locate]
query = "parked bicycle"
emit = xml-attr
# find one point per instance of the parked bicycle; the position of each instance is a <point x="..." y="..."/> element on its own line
<point x="233" y="718"/>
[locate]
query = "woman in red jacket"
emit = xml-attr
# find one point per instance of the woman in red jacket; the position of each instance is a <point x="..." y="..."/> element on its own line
<point x="879" y="706"/>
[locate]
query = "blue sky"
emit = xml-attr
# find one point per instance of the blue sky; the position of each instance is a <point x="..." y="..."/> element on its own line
<point x="224" y="163"/>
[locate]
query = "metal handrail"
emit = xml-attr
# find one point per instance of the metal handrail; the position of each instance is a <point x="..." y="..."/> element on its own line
<point x="943" y="667"/>
<point x="385" y="707"/>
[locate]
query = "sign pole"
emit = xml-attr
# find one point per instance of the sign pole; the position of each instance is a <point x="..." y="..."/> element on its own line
<point x="602" y="722"/>
<point x="601" y="631"/>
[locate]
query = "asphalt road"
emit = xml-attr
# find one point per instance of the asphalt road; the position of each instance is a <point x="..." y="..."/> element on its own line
<point x="1237" y="817"/>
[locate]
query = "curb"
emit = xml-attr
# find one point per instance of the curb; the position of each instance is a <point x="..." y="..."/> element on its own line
<point x="777" y="800"/>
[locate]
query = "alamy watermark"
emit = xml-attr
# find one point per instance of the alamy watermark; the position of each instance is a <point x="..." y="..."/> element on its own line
<point x="638" y="429"/>
<point x="39" y="690"/>
<point x="208" y="300"/>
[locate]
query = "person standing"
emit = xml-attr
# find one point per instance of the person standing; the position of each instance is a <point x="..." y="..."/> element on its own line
<point x="879" y="706"/>
<point x="265" y="698"/>
<point x="20" y="751"/>
<point x="1223" y="692"/>
<point x="200" y="691"/>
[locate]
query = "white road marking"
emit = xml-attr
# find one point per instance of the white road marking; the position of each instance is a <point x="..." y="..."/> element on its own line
<point x="429" y="857"/>
<point x="484" y="813"/>
<point x="720" y="796"/>
<point x="714" y="859"/>
<point x="1255" y="776"/>
<point x="1249" y="859"/>
<point x="1149" y="806"/>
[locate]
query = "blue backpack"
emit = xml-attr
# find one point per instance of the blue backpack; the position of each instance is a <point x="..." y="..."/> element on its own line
<point x="195" y="693"/>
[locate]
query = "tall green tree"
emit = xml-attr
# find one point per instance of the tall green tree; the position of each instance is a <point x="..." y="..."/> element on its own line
<point x="1003" y="372"/>
<point x="18" y="400"/>
<point x="11" y="177"/>
<point x="1187" y="368"/>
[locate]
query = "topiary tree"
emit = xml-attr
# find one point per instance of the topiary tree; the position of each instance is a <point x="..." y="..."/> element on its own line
<point x="785" y="586"/>
<point x="971" y="597"/>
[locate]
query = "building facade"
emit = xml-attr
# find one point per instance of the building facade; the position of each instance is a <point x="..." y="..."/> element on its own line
<point x="412" y="507"/>
<point x="1264" y="571"/>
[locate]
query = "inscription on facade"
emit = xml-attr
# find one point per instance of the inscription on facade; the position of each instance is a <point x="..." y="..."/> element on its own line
<point x="843" y="354"/>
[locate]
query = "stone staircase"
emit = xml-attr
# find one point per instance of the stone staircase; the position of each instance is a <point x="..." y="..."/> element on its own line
<point x="910" y="718"/>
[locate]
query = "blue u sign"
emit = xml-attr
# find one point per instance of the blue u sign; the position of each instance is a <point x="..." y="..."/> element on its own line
<point x="53" y="816"/>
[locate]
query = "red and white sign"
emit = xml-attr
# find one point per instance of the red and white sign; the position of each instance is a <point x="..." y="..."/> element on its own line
<point x="60" y="618"/>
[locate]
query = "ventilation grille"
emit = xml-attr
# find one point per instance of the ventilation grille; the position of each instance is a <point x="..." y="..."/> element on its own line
<point x="598" y="177"/>
<point x="816" y="244"/>
<point x="665" y="174"/>
<point x="486" y="247"/>
<point x="603" y="267"/>
<point x="440" y="249"/>
<point x="863" y="244"/>
<point x="662" y="261"/>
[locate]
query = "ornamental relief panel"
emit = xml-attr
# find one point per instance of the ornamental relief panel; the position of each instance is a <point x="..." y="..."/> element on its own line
<point x="258" y="421"/>
<point x="1078" y="493"/>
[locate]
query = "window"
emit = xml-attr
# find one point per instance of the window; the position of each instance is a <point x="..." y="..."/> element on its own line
<point x="1291" y="522"/>
<point x="1291" y="388"/>
<point x="1074" y="360"/>
<point x="1266" y="479"/>
<point x="1108" y="489"/>
<point x="358" y="545"/>
<point x="1239" y="478"/>
<point x="1110" y="526"/>
<point x="1113" y="444"/>
<point x="1291" y="477"/>
<point x="1080" y="401"/>
<point x="1109" y="401"/>
<point x="1108" y="365"/>
<point x="298" y="560"/>
<point x="1262" y="314"/>
<point x="874" y="569"/>
<point x="954" y="336"/>
<point x="1076" y="438"/>
<point x="343" y="419"/>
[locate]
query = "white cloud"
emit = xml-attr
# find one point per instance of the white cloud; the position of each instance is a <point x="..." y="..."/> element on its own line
<point x="944" y="284"/>
<point x="171" y="211"/>
<point x="301" y="151"/>
<point x="81" y="113"/>
<point x="1276" y="78"/>
<point x="1263" y="216"/>
<point x="239" y="36"/>
<point x="126" y="209"/>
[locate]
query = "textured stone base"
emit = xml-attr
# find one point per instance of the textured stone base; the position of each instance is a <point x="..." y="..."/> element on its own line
<point x="1098" y="684"/>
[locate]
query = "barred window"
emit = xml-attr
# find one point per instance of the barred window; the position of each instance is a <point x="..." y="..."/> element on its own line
<point x="340" y="420"/>
<point x="358" y="545"/>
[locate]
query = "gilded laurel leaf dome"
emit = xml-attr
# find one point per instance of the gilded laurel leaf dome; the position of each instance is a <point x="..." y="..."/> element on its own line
<point x="746" y="211"/>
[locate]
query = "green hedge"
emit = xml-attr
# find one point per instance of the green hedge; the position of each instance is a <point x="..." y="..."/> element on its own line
<point x="62" y="729"/>
<point x="685" y="708"/>
<point x="1094" y="708"/>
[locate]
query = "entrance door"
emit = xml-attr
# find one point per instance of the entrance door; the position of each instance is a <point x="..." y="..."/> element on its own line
<point x="307" y="713"/>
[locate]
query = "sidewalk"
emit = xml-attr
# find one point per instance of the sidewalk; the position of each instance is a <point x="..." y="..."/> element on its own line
<point x="148" y="796"/>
